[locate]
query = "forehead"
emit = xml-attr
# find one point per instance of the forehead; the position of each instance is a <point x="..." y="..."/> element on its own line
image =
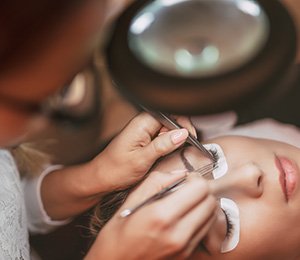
<point x="182" y="159"/>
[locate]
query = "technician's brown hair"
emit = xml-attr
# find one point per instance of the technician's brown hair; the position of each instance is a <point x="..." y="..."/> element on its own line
<point x="24" y="25"/>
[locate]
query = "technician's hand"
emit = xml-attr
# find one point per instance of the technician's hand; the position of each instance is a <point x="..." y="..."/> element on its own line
<point x="132" y="153"/>
<point x="70" y="191"/>
<point x="170" y="228"/>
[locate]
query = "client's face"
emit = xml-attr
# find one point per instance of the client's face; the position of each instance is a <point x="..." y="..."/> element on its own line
<point x="262" y="180"/>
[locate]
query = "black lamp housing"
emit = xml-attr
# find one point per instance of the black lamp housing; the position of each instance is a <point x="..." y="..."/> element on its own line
<point x="252" y="83"/>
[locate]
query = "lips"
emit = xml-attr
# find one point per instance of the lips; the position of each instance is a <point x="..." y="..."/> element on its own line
<point x="288" y="175"/>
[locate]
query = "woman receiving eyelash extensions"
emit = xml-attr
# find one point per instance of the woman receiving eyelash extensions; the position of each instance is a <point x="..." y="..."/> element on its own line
<point x="256" y="186"/>
<point x="48" y="46"/>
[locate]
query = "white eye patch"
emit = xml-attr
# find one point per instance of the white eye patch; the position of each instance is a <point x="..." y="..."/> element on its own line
<point x="232" y="212"/>
<point x="222" y="168"/>
<point x="229" y="206"/>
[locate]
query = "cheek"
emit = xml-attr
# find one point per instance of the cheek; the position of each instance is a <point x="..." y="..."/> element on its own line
<point x="266" y="232"/>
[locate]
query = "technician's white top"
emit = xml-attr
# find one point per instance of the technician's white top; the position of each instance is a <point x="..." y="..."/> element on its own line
<point x="15" y="223"/>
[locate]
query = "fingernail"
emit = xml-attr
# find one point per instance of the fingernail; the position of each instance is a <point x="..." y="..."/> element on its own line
<point x="178" y="136"/>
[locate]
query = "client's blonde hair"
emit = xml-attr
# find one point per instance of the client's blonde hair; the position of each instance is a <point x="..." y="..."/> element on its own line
<point x="30" y="159"/>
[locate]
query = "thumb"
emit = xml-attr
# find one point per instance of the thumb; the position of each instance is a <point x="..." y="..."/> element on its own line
<point x="164" y="144"/>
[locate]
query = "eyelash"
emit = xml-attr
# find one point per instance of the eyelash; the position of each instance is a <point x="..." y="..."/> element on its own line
<point x="228" y="223"/>
<point x="215" y="154"/>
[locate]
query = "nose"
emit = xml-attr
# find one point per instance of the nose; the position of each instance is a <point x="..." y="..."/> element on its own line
<point x="244" y="180"/>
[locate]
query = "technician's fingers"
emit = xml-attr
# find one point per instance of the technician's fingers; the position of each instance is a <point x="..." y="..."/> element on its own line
<point x="202" y="217"/>
<point x="143" y="123"/>
<point x="185" y="233"/>
<point x="176" y="221"/>
<point x="187" y="197"/>
<point x="185" y="122"/>
<point x="164" y="144"/>
<point x="193" y="243"/>
<point x="154" y="183"/>
<point x="181" y="217"/>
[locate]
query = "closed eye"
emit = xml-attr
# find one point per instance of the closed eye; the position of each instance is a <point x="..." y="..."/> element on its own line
<point x="220" y="160"/>
<point x="231" y="212"/>
<point x="229" y="224"/>
<point x="214" y="153"/>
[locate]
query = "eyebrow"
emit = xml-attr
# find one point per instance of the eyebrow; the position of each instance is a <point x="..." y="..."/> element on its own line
<point x="186" y="162"/>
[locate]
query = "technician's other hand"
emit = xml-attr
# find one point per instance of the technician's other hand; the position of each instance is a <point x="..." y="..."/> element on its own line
<point x="169" y="228"/>
<point x="132" y="153"/>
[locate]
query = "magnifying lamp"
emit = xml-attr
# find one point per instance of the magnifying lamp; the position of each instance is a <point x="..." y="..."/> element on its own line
<point x="201" y="56"/>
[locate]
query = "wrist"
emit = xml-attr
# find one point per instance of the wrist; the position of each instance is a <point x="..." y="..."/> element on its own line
<point x="90" y="183"/>
<point x="104" y="170"/>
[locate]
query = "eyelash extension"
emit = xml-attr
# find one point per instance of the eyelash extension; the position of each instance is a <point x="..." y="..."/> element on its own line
<point x="215" y="155"/>
<point x="228" y="223"/>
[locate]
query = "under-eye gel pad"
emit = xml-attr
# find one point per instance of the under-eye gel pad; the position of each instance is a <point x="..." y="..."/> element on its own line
<point x="232" y="212"/>
<point x="222" y="164"/>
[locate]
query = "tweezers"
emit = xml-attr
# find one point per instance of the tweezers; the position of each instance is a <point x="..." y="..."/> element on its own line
<point x="170" y="123"/>
<point x="164" y="192"/>
<point x="167" y="190"/>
